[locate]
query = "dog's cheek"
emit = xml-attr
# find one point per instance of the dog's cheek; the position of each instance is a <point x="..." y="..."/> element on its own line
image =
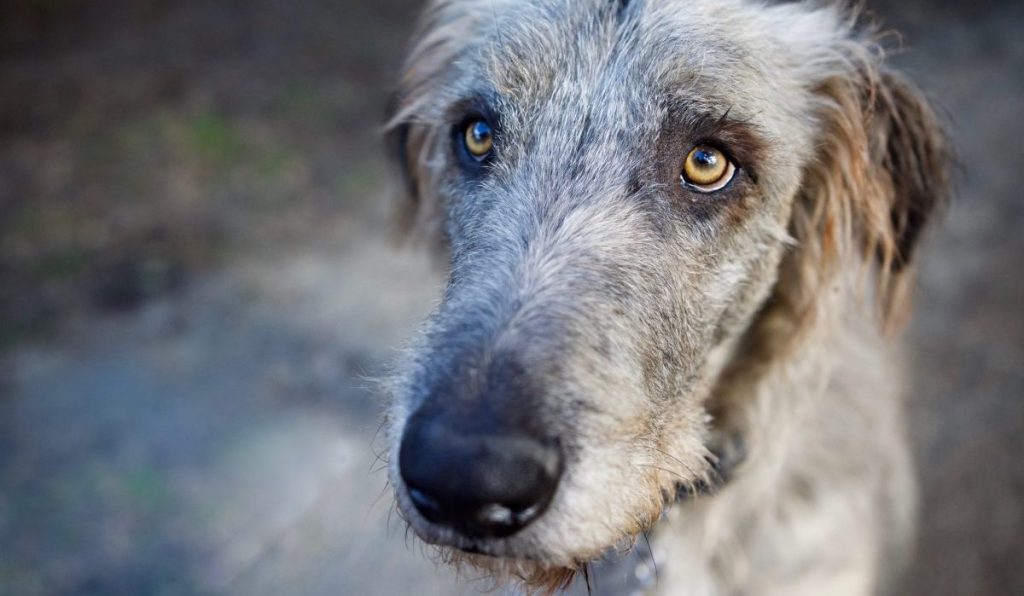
<point x="609" y="485"/>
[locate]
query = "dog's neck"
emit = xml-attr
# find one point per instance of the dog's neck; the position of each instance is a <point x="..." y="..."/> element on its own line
<point x="785" y="338"/>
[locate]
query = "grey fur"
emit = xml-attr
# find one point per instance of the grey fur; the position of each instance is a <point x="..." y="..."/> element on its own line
<point x="648" y="319"/>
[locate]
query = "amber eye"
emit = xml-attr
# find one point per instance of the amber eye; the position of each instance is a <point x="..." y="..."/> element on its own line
<point x="707" y="169"/>
<point x="478" y="139"/>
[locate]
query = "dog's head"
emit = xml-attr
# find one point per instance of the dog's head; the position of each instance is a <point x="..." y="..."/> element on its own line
<point x="621" y="187"/>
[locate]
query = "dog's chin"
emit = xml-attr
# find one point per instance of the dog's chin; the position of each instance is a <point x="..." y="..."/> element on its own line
<point x="498" y="561"/>
<point x="515" y="559"/>
<point x="531" y="575"/>
<point x="493" y="561"/>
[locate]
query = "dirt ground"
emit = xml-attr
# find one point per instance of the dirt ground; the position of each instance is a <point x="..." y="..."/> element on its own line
<point x="197" y="289"/>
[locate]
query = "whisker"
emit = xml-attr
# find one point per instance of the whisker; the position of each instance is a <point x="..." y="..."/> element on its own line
<point x="384" y="491"/>
<point x="650" y="551"/>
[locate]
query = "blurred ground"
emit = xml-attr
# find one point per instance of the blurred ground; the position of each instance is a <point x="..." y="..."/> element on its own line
<point x="196" y="286"/>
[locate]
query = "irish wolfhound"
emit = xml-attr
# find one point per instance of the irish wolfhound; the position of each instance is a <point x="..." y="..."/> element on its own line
<point x="676" y="232"/>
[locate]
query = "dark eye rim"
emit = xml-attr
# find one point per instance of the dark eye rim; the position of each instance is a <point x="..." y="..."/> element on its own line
<point x="733" y="168"/>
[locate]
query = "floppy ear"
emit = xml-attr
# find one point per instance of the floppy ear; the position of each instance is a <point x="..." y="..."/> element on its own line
<point x="882" y="171"/>
<point x="416" y="130"/>
<point x="419" y="213"/>
<point x="915" y="158"/>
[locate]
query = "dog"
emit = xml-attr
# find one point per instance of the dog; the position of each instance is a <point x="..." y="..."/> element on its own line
<point x="679" y="239"/>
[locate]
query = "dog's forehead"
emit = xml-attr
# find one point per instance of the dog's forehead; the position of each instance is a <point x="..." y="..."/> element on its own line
<point x="541" y="47"/>
<point x="715" y="55"/>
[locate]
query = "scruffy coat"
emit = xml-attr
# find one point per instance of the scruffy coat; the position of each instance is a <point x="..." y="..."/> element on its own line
<point x="656" y="324"/>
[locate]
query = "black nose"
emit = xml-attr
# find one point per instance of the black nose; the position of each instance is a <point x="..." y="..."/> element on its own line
<point x="482" y="485"/>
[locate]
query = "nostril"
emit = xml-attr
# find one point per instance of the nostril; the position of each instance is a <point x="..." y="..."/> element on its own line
<point x="425" y="504"/>
<point x="501" y="521"/>
<point x="496" y="518"/>
<point x="495" y="515"/>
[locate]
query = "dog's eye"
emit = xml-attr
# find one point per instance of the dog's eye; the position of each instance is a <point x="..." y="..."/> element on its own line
<point x="707" y="169"/>
<point x="478" y="139"/>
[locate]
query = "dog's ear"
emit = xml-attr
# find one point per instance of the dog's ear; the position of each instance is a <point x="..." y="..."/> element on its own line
<point x="913" y="154"/>
<point x="416" y="130"/>
<point x="881" y="172"/>
<point x="419" y="212"/>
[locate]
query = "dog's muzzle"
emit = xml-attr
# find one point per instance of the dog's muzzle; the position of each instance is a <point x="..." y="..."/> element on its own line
<point x="481" y="484"/>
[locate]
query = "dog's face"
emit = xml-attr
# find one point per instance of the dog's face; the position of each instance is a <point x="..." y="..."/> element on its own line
<point x="615" y="184"/>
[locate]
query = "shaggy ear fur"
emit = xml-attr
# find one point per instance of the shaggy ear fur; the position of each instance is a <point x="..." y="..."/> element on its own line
<point x="882" y="170"/>
<point x="415" y="124"/>
<point x="419" y="209"/>
<point x="916" y="159"/>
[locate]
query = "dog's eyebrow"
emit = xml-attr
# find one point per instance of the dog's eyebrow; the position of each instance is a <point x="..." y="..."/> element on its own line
<point x="741" y="137"/>
<point x="480" y="103"/>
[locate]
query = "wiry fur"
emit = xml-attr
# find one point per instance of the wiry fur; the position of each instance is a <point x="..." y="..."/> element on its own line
<point x="653" y="321"/>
